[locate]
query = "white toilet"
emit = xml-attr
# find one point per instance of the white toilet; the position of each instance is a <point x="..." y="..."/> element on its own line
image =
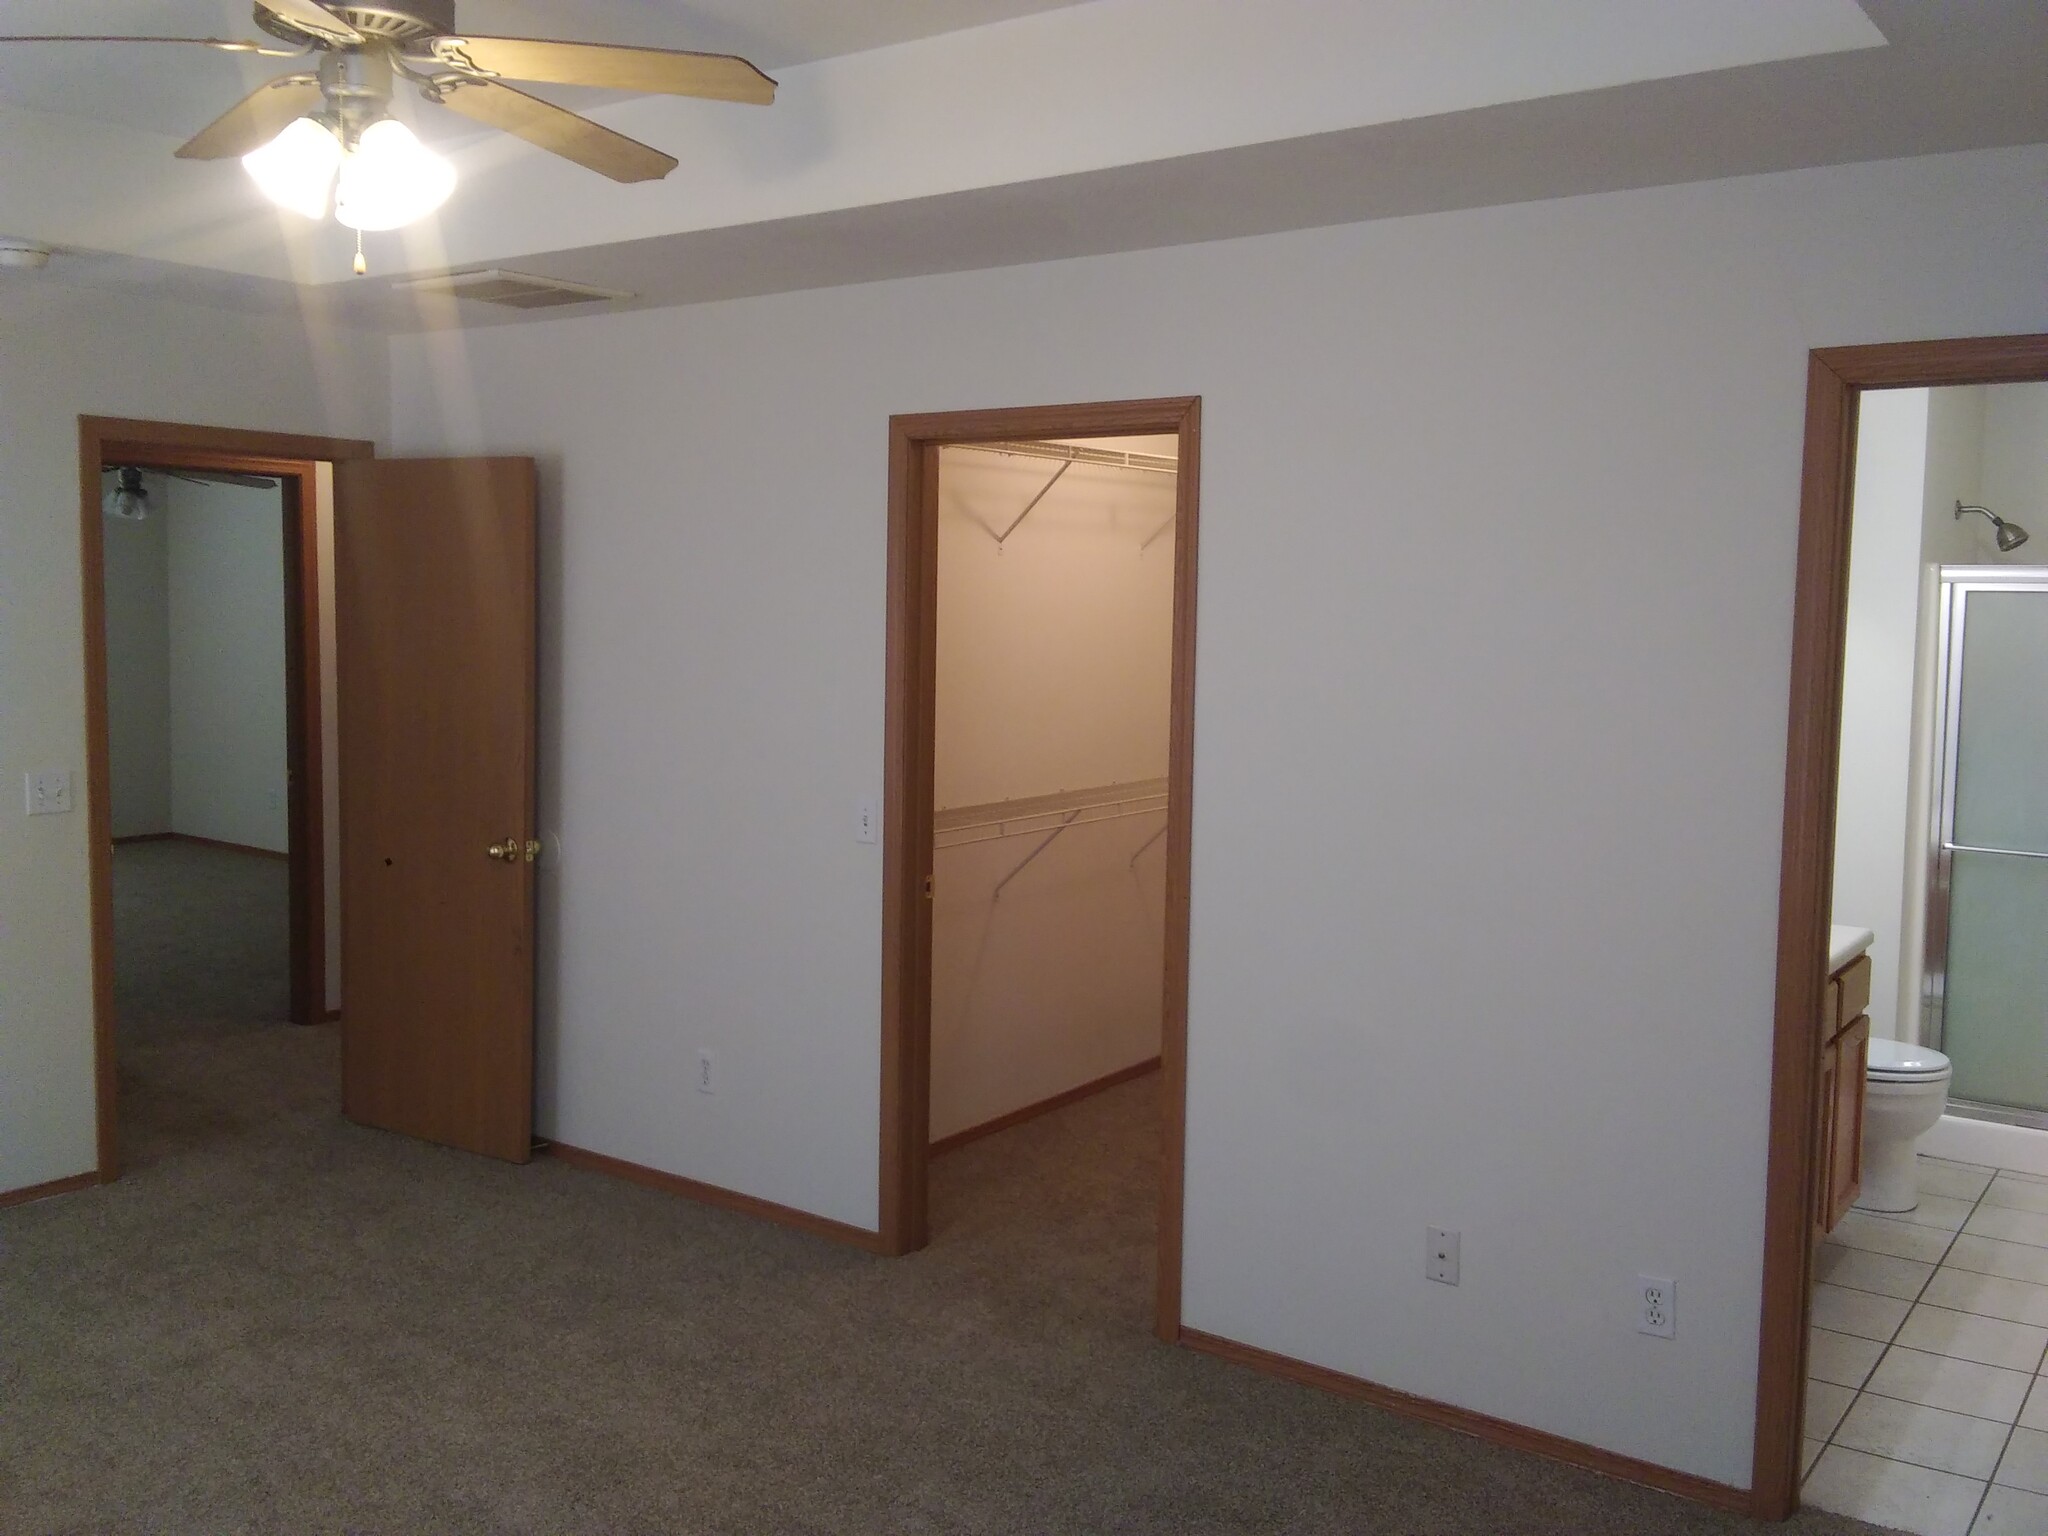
<point x="1906" y="1090"/>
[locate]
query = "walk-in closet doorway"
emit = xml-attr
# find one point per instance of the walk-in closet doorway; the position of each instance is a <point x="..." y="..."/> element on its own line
<point x="1041" y="646"/>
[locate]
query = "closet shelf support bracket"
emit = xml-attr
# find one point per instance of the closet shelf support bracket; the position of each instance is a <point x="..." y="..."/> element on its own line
<point x="1146" y="844"/>
<point x="1032" y="506"/>
<point x="1051" y="838"/>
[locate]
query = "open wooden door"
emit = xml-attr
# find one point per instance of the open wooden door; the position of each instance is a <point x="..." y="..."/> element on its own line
<point x="434" y="645"/>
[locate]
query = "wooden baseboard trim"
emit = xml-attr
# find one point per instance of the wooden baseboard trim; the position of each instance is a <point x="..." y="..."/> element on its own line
<point x="203" y="842"/>
<point x="72" y="1185"/>
<point x="1043" y="1107"/>
<point x="1518" y="1437"/>
<point x="712" y="1194"/>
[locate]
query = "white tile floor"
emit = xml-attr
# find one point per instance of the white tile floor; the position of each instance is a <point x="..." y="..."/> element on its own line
<point x="1926" y="1402"/>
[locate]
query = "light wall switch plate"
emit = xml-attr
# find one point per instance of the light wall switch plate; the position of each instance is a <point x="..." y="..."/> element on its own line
<point x="707" y="1072"/>
<point x="867" y="822"/>
<point x="49" y="791"/>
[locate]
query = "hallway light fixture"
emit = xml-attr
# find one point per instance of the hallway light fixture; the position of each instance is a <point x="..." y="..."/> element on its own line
<point x="128" y="497"/>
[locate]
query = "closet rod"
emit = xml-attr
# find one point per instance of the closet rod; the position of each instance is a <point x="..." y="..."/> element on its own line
<point x="1114" y="458"/>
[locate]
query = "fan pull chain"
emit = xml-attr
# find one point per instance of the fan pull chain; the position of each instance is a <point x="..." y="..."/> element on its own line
<point x="362" y="264"/>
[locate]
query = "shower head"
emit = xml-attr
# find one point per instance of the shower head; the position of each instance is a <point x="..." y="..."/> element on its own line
<point x="2010" y="535"/>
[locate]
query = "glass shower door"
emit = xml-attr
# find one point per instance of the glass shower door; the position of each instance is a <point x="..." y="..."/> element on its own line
<point x="1988" y="972"/>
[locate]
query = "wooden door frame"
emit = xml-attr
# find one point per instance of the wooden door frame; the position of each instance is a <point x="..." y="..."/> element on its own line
<point x="1836" y="378"/>
<point x="293" y="459"/>
<point x="914" y="443"/>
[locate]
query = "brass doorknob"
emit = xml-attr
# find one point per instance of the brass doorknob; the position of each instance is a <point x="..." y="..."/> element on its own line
<point x="507" y="851"/>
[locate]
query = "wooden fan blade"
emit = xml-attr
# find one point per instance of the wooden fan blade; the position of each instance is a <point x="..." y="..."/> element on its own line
<point x="224" y="44"/>
<point x="557" y="131"/>
<point x="223" y="477"/>
<point x="256" y="119"/>
<point x="308" y="16"/>
<point x="662" y="71"/>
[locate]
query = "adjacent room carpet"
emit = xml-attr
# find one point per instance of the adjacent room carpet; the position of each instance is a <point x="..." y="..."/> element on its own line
<point x="280" y="1322"/>
<point x="201" y="941"/>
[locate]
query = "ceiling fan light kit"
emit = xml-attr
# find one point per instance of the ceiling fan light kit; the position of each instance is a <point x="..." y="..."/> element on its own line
<point x="352" y="155"/>
<point x="387" y="180"/>
<point x="295" y="169"/>
<point x="324" y="138"/>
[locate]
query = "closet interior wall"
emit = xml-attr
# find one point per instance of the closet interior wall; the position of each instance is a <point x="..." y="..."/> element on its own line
<point x="1054" y="668"/>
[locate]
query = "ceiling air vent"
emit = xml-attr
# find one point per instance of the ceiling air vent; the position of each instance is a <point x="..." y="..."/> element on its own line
<point x="514" y="290"/>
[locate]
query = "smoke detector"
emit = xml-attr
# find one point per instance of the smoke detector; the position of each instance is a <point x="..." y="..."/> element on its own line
<point x="23" y="255"/>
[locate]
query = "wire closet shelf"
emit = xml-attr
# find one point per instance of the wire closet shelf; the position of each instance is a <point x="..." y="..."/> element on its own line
<point x="1047" y="817"/>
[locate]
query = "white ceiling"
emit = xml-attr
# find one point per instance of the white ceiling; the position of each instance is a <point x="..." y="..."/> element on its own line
<point x="1041" y="132"/>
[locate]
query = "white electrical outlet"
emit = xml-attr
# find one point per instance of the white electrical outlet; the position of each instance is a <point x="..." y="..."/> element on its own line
<point x="707" y="1072"/>
<point x="1656" y="1306"/>
<point x="49" y="791"/>
<point x="1442" y="1256"/>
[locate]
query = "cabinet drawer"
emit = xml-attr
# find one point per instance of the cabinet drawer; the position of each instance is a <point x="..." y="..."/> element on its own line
<point x="1854" y="979"/>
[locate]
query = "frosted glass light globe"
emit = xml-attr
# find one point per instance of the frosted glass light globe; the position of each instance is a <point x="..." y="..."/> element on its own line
<point x="390" y="179"/>
<point x="295" y="169"/>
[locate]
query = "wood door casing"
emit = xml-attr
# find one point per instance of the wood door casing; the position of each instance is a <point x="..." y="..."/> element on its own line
<point x="435" y="640"/>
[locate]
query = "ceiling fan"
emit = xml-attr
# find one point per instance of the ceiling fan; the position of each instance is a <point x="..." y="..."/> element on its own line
<point x="358" y="55"/>
<point x="129" y="496"/>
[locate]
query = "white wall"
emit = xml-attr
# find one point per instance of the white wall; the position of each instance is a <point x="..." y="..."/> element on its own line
<point x="1877" y="684"/>
<point x="1498" y="527"/>
<point x="1054" y="671"/>
<point x="1955" y="469"/>
<point x="2014" y="479"/>
<point x="196" y="665"/>
<point x="139" y="667"/>
<point x="64" y="353"/>
<point x="227" y="638"/>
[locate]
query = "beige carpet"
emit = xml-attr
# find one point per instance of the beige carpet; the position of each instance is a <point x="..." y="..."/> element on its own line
<point x="201" y="940"/>
<point x="280" y="1322"/>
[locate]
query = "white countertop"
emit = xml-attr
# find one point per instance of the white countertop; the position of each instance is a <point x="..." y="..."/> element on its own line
<point x="1845" y="944"/>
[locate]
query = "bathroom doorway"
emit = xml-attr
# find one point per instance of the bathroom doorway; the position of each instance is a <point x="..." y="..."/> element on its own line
<point x="1928" y="1317"/>
<point x="1119" y="799"/>
<point x="1812" y="1156"/>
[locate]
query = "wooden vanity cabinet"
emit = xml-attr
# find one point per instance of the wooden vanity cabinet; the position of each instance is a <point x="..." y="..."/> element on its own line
<point x="1839" y="1086"/>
